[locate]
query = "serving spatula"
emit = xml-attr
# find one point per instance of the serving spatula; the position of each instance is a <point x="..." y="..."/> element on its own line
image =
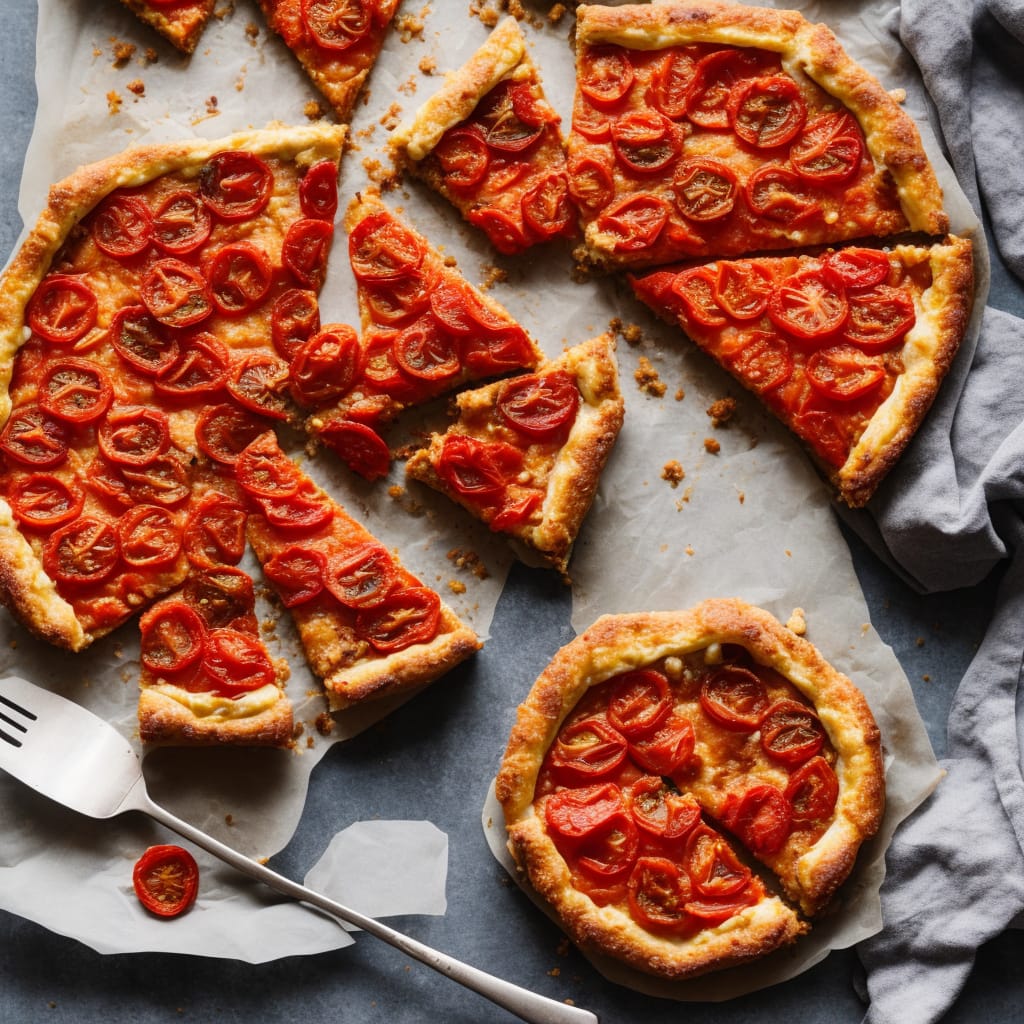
<point x="98" y="773"/>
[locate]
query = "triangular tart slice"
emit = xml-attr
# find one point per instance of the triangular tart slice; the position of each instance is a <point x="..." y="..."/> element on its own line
<point x="525" y="454"/>
<point x="425" y="331"/>
<point x="369" y="627"/>
<point x="847" y="348"/>
<point x="337" y="42"/>
<point x="180" y="22"/>
<point x="703" y="128"/>
<point x="489" y="142"/>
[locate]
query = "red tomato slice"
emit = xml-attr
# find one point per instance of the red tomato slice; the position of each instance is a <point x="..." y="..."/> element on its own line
<point x="325" y="367"/>
<point x="264" y="471"/>
<point x="697" y="288"/>
<point x="33" y="438"/>
<point x="150" y="537"/>
<point x="294" y="318"/>
<point x="336" y="25"/>
<point x="857" y="267"/>
<point x="166" y="880"/>
<point x="742" y="288"/>
<point x="83" y="551"/>
<point x="176" y="294"/>
<point x="821" y="430"/>
<point x="760" y="817"/>
<point x="235" y="663"/>
<point x="659" y="809"/>
<point x="812" y="791"/>
<point x="381" y="249"/>
<point x="301" y="512"/>
<point x="672" y="80"/>
<point x="490" y="353"/>
<point x="658" y="895"/>
<point x="761" y="359"/>
<point x="396" y="303"/>
<point x="404" y="618"/>
<point x="714" y="79"/>
<point x="639" y="702"/>
<point x="381" y="370"/>
<point x="829" y="150"/>
<point x="222" y="596"/>
<point x="201" y="369"/>
<point x="574" y="814"/>
<point x="215" y="532"/>
<point x="463" y="157"/>
<point x="181" y="223"/>
<point x="667" y="749"/>
<point x="426" y="351"/>
<point x="586" y="750"/>
<point x="141" y="341"/>
<point x="260" y="383"/>
<point x="477" y="470"/>
<point x="173" y="637"/>
<point x="779" y="194"/>
<point x="164" y="481"/>
<point x="590" y="182"/>
<point x="509" y="118"/>
<point x="844" y="373"/>
<point x="610" y="852"/>
<point x="605" y="73"/>
<point x="542" y="406"/>
<point x="505" y="231"/>
<point x="236" y="185"/>
<point x="63" y="309"/>
<point x="767" y="111"/>
<point x="644" y="141"/>
<point x="546" y="208"/>
<point x="42" y="501"/>
<point x="75" y="390"/>
<point x="318" y="191"/>
<point x="122" y="226"/>
<point x="593" y="124"/>
<point x="224" y="431"/>
<point x="297" y="574"/>
<point x="461" y="310"/>
<point x="715" y="870"/>
<point x="810" y="304"/>
<point x="306" y="246"/>
<point x="734" y="697"/>
<point x="791" y="732"/>
<point x="240" y="278"/>
<point x="879" y="317"/>
<point x="516" y="511"/>
<point x="359" y="446"/>
<point x="361" y="576"/>
<point x="635" y="222"/>
<point x="705" y="190"/>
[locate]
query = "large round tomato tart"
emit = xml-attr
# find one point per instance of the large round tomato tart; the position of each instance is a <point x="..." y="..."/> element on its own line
<point x="668" y="771"/>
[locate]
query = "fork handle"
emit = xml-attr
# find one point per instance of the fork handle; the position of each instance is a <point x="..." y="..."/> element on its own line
<point x="527" y="1005"/>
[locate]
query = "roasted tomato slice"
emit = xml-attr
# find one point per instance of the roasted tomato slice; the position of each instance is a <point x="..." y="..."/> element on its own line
<point x="122" y="226"/>
<point x="714" y="79"/>
<point x="667" y="749"/>
<point x="812" y="791"/>
<point x="260" y="383"/>
<point x="791" y="732"/>
<point x="224" y="431"/>
<point x="879" y="317"/>
<point x="305" y="249"/>
<point x="265" y="471"/>
<point x="810" y="304"/>
<point x="590" y="182"/>
<point x="844" y="373"/>
<point x="777" y="193"/>
<point x="166" y="880"/>
<point x="742" y="288"/>
<point x="75" y="390"/>
<point x="294" y="318"/>
<point x="574" y="814"/>
<point x="173" y="637"/>
<point x="660" y="809"/>
<point x="542" y="406"/>
<point x="235" y="663"/>
<point x="42" y="501"/>
<point x="426" y="351"/>
<point x="609" y="852"/>
<point x="546" y="208"/>
<point x="658" y="894"/>
<point x="337" y="25"/>
<point x="325" y="367"/>
<point x="359" y="446"/>
<point x="240" y="277"/>
<point x="362" y="576"/>
<point x="176" y="294"/>
<point x="509" y="117"/>
<point x="634" y="223"/>
<point x="63" y="309"/>
<point x="672" y="80"/>
<point x="215" y="532"/>
<point x="33" y="438"/>
<point x="404" y="618"/>
<point x="318" y="191"/>
<point x="761" y="359"/>
<point x="505" y="231"/>
<point x="83" y="551"/>
<point x="606" y="74"/>
<point x="760" y="817"/>
<point x="640" y="701"/>
<point x="297" y="574"/>
<point x="141" y="341"/>
<point x="857" y="267"/>
<point x="734" y="697"/>
<point x="767" y="111"/>
<point x="397" y="303"/>
<point x="236" y="185"/>
<point x="201" y="369"/>
<point x="301" y="512"/>
<point x="381" y="249"/>
<point x="181" y="224"/>
<point x="711" y="864"/>
<point x="477" y="470"/>
<point x="586" y="750"/>
<point x="463" y="157"/>
<point x="698" y="287"/>
<point x="150" y="537"/>
<point x="829" y="150"/>
<point x="645" y="141"/>
<point x="223" y="596"/>
<point x="705" y="189"/>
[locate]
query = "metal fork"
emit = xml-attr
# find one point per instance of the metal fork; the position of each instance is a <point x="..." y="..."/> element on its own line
<point x="102" y="777"/>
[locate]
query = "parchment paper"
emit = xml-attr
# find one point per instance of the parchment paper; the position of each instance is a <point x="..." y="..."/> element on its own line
<point x="752" y="521"/>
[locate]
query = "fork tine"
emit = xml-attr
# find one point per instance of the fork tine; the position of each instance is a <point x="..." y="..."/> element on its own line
<point x="14" y="723"/>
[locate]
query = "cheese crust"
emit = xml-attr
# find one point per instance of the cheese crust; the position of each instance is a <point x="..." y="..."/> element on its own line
<point x="619" y="643"/>
<point x="181" y="26"/>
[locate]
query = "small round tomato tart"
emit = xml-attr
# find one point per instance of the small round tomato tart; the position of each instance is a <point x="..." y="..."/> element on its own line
<point x="669" y="771"/>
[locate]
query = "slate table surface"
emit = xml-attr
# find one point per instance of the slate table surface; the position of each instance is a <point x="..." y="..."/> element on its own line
<point x="420" y="763"/>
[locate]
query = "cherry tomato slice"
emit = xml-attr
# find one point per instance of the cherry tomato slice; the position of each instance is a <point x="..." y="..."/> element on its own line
<point x="224" y="431"/>
<point x="857" y="267"/>
<point x="742" y="288"/>
<point x="478" y="470"/>
<point x="810" y="304"/>
<point x="714" y="79"/>
<point x="63" y="309"/>
<point x="734" y="697"/>
<point x="33" y="438"/>
<point x="540" y="406"/>
<point x="325" y="367"/>
<point x="697" y="288"/>
<point x="791" y="732"/>
<point x="215" y="532"/>
<point x="222" y="596"/>
<point x="593" y="124"/>
<point x="671" y="82"/>
<point x="879" y="317"/>
<point x="760" y="817"/>
<point x="294" y="318"/>
<point x="591" y="184"/>
<point x="404" y="618"/>
<point x="359" y="446"/>
<point x="235" y="663"/>
<point x="306" y="246"/>
<point x="336" y="25"/>
<point x="42" y="501"/>
<point x="164" y="481"/>
<point x="659" y="809"/>
<point x="296" y="574"/>
<point x="586" y="750"/>
<point x="639" y="702"/>
<point x="634" y="223"/>
<point x="75" y="390"/>
<point x="461" y="310"/>
<point x="396" y="303"/>
<point x="609" y="852"/>
<point x="605" y="73"/>
<point x="504" y="231"/>
<point x="820" y="429"/>
<point x="176" y="294"/>
<point x="381" y="249"/>
<point x="767" y="111"/>
<point x="667" y="749"/>
<point x="761" y="359"/>
<point x="658" y="894"/>
<point x="844" y="373"/>
<point x="715" y="870"/>
<point x="260" y="383"/>
<point x="829" y="150"/>
<point x="546" y="208"/>
<point x="141" y="341"/>
<point x="779" y="194"/>
<point x="705" y="189"/>
<point x="515" y="511"/>
<point x="463" y="157"/>
<point x="492" y="353"/>
<point x="83" y="551"/>
<point x="426" y="351"/>
<point x="301" y="512"/>
<point x="122" y="226"/>
<point x="181" y="224"/>
<point x="574" y="814"/>
<point x="150" y="537"/>
<point x="240" y="277"/>
<point x="812" y="791"/>
<point x="361" y="577"/>
<point x="166" y="880"/>
<point x="236" y="185"/>
<point x="318" y="191"/>
<point x="381" y="370"/>
<point x="509" y="117"/>
<point x="264" y="471"/>
<point x="201" y="369"/>
<point x="644" y="141"/>
<point x="173" y="637"/>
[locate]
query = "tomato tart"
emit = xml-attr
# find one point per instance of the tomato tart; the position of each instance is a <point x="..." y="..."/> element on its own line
<point x="337" y="42"/>
<point x="489" y="142"/>
<point x="848" y="348"/>
<point x="180" y="22"/>
<point x="707" y="128"/>
<point x="525" y="454"/>
<point x="668" y="769"/>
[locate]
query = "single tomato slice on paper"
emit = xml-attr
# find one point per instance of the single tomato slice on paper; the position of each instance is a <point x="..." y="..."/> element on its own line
<point x="166" y="880"/>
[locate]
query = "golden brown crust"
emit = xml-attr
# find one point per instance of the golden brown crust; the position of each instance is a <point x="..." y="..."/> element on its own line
<point x="572" y="480"/>
<point x="618" y="643"/>
<point x="166" y="716"/>
<point x="181" y="25"/>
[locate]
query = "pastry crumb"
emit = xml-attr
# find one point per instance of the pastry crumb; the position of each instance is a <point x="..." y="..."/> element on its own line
<point x="123" y="53"/>
<point x="673" y="473"/>
<point x="313" y="110"/>
<point x="229" y="820"/>
<point x="711" y="446"/>
<point x="721" y="411"/>
<point x="631" y="334"/>
<point x="427" y="65"/>
<point x="252" y="32"/>
<point x="457" y="586"/>
<point x="114" y="102"/>
<point x="797" y="622"/>
<point x="468" y="560"/>
<point x="557" y="13"/>
<point x="647" y="379"/>
<point x="493" y="275"/>
<point x="410" y="26"/>
<point x="136" y="86"/>
<point x="391" y="117"/>
<point x="324" y="723"/>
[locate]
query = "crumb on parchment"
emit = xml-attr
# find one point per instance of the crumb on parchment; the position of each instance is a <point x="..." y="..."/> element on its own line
<point x="721" y="411"/>
<point x="711" y="446"/>
<point x="797" y="622"/>
<point x="647" y="379"/>
<point x="468" y="560"/>
<point x="673" y="473"/>
<point x="114" y="102"/>
<point x="324" y="723"/>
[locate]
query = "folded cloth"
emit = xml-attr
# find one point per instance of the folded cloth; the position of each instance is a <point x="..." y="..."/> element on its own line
<point x="950" y="513"/>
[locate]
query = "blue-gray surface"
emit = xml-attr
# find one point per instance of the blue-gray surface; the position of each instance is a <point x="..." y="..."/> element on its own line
<point x="433" y="759"/>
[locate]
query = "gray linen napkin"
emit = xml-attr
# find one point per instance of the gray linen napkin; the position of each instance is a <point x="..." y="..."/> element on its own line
<point x="953" y="510"/>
